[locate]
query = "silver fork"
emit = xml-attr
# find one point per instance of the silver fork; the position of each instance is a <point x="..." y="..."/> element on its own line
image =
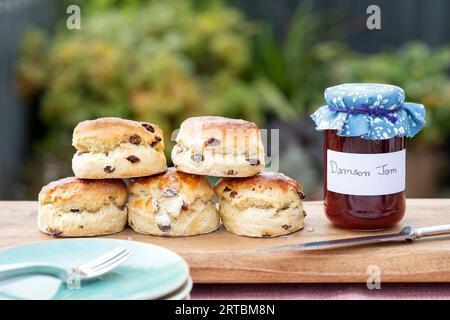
<point x="84" y="272"/>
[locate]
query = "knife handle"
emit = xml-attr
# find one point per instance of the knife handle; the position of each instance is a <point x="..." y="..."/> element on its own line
<point x="432" y="231"/>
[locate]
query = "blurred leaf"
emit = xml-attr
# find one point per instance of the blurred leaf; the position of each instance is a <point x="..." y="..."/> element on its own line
<point x="273" y="100"/>
<point x="157" y="61"/>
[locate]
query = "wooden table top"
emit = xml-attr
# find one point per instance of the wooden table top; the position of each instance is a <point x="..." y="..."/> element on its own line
<point x="221" y="257"/>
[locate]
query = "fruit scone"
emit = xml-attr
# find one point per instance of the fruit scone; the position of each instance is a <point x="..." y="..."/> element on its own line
<point x="117" y="148"/>
<point x="73" y="207"/>
<point x="217" y="146"/>
<point x="269" y="204"/>
<point x="172" y="204"/>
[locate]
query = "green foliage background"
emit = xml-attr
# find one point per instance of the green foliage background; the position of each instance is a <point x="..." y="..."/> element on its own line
<point x="164" y="61"/>
<point x="161" y="62"/>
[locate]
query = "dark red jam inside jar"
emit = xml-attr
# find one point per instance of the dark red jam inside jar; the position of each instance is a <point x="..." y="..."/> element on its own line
<point x="362" y="212"/>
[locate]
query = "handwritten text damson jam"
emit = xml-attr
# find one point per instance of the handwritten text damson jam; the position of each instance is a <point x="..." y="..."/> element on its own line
<point x="365" y="127"/>
<point x="362" y="212"/>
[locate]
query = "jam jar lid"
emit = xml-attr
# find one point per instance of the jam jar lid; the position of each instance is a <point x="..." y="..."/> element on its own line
<point x="370" y="111"/>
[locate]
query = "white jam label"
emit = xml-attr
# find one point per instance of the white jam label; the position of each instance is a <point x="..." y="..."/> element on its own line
<point x="366" y="174"/>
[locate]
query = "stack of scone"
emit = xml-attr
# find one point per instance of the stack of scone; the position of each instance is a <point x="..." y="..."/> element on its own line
<point x="96" y="202"/>
<point x="252" y="202"/>
<point x="170" y="202"/>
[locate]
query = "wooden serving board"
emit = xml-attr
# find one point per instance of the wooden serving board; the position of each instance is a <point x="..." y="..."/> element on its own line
<point x="221" y="257"/>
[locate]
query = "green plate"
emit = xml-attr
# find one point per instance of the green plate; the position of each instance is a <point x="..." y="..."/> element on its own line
<point x="151" y="272"/>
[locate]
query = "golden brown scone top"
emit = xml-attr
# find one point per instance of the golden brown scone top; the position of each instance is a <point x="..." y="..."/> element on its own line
<point x="172" y="183"/>
<point x="220" y="126"/>
<point x="260" y="182"/>
<point x="216" y="122"/>
<point x="104" y="134"/>
<point x="223" y="135"/>
<point x="74" y="195"/>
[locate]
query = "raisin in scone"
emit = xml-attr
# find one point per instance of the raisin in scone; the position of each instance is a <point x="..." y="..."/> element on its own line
<point x="73" y="207"/>
<point x="267" y="205"/>
<point x="217" y="146"/>
<point x="117" y="148"/>
<point x="172" y="204"/>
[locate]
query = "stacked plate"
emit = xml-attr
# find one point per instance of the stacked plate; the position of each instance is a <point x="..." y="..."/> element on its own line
<point x="153" y="272"/>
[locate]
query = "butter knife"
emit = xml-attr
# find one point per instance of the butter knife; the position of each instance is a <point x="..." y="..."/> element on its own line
<point x="409" y="234"/>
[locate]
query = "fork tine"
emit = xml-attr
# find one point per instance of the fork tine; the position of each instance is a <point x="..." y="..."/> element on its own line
<point x="102" y="259"/>
<point x="106" y="262"/>
<point x="112" y="260"/>
<point x="114" y="263"/>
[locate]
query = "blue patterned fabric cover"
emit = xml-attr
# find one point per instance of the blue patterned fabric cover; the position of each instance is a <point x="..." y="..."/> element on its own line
<point x="410" y="117"/>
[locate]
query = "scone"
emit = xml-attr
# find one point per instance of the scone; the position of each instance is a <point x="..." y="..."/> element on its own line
<point x="217" y="146"/>
<point x="267" y="205"/>
<point x="73" y="207"/>
<point x="172" y="204"/>
<point x="117" y="148"/>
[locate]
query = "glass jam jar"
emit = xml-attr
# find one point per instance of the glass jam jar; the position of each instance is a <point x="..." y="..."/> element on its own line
<point x="362" y="212"/>
<point x="365" y="127"/>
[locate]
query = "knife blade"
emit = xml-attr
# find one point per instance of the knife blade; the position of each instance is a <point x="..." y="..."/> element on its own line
<point x="406" y="234"/>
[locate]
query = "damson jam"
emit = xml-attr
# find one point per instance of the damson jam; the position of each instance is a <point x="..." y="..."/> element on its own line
<point x="365" y="127"/>
<point x="362" y="212"/>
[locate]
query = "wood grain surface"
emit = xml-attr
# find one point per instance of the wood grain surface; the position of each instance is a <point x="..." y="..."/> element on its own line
<point x="221" y="257"/>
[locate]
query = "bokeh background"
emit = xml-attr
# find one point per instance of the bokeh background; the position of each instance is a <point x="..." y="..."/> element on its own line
<point x="165" y="60"/>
